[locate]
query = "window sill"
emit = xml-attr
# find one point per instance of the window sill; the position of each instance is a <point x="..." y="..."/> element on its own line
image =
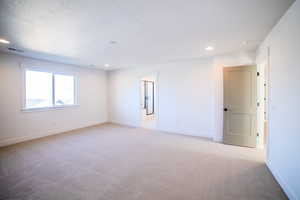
<point x="49" y="108"/>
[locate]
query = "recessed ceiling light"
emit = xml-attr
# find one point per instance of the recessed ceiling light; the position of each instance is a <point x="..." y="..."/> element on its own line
<point x="209" y="48"/>
<point x="4" y="41"/>
<point x="113" y="42"/>
<point x="245" y="43"/>
<point x="106" y="65"/>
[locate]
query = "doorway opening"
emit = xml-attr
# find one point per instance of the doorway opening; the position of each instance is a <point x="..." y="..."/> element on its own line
<point x="148" y="106"/>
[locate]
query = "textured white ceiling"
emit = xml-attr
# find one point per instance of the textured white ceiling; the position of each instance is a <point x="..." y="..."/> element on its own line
<point x="146" y="32"/>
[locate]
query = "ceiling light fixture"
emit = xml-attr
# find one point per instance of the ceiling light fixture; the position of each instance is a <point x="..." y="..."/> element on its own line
<point x="4" y="41"/>
<point x="106" y="65"/>
<point x="113" y="42"/>
<point x="245" y="43"/>
<point x="209" y="48"/>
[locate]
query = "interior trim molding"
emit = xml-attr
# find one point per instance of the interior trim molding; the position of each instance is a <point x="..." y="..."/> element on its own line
<point x="218" y="138"/>
<point x="16" y="140"/>
<point x="204" y="135"/>
<point x="287" y="190"/>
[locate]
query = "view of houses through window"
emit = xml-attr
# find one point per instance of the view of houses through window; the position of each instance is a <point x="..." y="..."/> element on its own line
<point x="44" y="89"/>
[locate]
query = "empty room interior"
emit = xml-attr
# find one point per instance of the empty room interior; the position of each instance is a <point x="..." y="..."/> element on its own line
<point x="149" y="100"/>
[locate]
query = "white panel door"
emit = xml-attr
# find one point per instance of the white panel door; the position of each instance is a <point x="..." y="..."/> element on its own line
<point x="240" y="106"/>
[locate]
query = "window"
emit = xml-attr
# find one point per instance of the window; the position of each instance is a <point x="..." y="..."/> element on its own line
<point x="38" y="89"/>
<point x="64" y="90"/>
<point x="48" y="90"/>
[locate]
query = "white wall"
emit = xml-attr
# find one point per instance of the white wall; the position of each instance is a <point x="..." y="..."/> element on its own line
<point x="185" y="97"/>
<point x="16" y="125"/>
<point x="284" y="78"/>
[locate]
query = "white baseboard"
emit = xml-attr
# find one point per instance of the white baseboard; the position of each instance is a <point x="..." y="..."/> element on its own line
<point x="288" y="191"/>
<point x="123" y="124"/>
<point x="260" y="146"/>
<point x="217" y="139"/>
<point x="205" y="135"/>
<point x="16" y="140"/>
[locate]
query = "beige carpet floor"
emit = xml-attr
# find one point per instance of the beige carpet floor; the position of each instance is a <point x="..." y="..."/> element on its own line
<point x="112" y="162"/>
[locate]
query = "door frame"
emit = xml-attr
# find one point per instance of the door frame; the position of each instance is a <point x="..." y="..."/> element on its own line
<point x="156" y="97"/>
<point x="153" y="94"/>
<point x="265" y="59"/>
